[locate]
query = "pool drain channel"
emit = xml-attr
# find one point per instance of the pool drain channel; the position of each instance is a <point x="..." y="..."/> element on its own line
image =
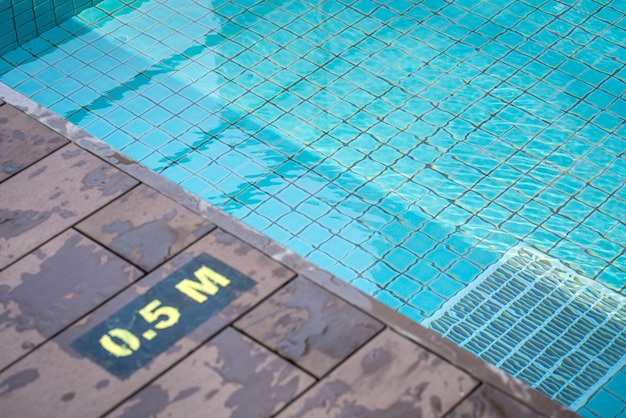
<point x="541" y="322"/>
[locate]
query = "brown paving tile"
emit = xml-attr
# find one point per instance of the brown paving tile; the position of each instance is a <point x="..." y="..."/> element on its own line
<point x="51" y="195"/>
<point x="230" y="376"/>
<point x="54" y="286"/>
<point x="145" y="227"/>
<point x="488" y="402"/>
<point x="310" y="326"/>
<point x="389" y="377"/>
<point x="23" y="141"/>
<point x="59" y="380"/>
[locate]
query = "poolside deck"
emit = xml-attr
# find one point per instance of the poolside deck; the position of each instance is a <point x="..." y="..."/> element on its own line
<point x="123" y="295"/>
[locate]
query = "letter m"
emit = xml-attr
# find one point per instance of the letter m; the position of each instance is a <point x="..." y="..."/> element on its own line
<point x="207" y="284"/>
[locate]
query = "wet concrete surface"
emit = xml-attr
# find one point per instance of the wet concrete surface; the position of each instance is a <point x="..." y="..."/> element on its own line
<point x="145" y="227"/>
<point x="292" y="323"/>
<point x="51" y="195"/>
<point x="230" y="376"/>
<point x="23" y="141"/>
<point x="54" y="286"/>
<point x="123" y="296"/>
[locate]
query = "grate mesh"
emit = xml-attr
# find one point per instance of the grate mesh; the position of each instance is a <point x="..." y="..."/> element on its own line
<point x="541" y="322"/>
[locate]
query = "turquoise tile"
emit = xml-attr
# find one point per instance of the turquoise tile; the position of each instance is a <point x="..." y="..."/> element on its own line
<point x="195" y="161"/>
<point x="84" y="96"/>
<point x="605" y="404"/>
<point x="34" y="66"/>
<point x="154" y="138"/>
<point x="30" y="87"/>
<point x="419" y="243"/>
<point x="463" y="271"/>
<point x="175" y="126"/>
<point x="295" y="244"/>
<point x="415" y="314"/>
<point x="404" y="286"/>
<point x="252" y="197"/>
<point x="155" y="161"/>
<point x="388" y="299"/>
<point x="482" y="257"/>
<point x="399" y="259"/>
<point x="281" y="235"/>
<point x="586" y="413"/>
<point x="380" y="274"/>
<point x="100" y="128"/>
<point x="445" y="286"/>
<point x="364" y="285"/>
<point x="252" y="171"/>
<point x="292" y="195"/>
<point x="441" y="257"/>
<point x="104" y="64"/>
<point x="117" y="139"/>
<point x="613" y="276"/>
<point x="47" y="97"/>
<point x="5" y="66"/>
<point x="337" y="247"/>
<point x="137" y="151"/>
<point x="359" y="259"/>
<point x="64" y="107"/>
<point x="66" y="86"/>
<point x="294" y="221"/>
<point x="273" y="210"/>
<point x="119" y="117"/>
<point x="426" y="301"/>
<point x="156" y="115"/>
<point x="260" y="223"/>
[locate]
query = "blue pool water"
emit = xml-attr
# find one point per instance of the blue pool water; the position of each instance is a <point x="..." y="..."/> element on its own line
<point x="403" y="146"/>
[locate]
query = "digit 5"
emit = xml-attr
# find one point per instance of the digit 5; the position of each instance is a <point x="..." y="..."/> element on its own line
<point x="151" y="312"/>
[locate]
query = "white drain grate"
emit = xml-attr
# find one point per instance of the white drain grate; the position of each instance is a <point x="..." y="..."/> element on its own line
<point x="540" y="321"/>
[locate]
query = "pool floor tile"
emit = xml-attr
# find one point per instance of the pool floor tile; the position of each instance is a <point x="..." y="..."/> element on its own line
<point x="388" y="377"/>
<point x="34" y="209"/>
<point x="54" y="286"/>
<point x="22" y="143"/>
<point x="231" y="375"/>
<point x="292" y="323"/>
<point x="130" y="224"/>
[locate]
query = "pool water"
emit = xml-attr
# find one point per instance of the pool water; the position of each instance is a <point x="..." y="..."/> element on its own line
<point x="403" y="146"/>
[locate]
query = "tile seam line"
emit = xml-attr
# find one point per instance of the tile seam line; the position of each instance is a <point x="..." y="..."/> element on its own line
<point x="146" y="271"/>
<point x="72" y="227"/>
<point x="325" y="376"/>
<point x="395" y="321"/>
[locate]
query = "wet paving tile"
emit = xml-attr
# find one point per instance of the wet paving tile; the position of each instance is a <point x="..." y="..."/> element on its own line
<point x="54" y="286"/>
<point x="23" y="141"/>
<point x="51" y="195"/>
<point x="309" y="326"/>
<point x="143" y="331"/>
<point x="230" y="376"/>
<point x="487" y="402"/>
<point x="389" y="377"/>
<point x="145" y="227"/>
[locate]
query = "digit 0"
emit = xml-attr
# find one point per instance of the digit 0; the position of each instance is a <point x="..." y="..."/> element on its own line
<point x="130" y="342"/>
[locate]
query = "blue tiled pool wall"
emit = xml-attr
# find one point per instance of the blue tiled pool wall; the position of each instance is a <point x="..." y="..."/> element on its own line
<point x="404" y="146"/>
<point x="31" y="18"/>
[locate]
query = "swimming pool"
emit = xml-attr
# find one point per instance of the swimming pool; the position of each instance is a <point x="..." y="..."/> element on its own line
<point x="403" y="146"/>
